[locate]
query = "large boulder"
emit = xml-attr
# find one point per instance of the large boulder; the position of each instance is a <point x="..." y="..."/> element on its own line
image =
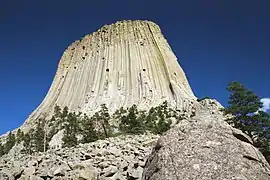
<point x="203" y="148"/>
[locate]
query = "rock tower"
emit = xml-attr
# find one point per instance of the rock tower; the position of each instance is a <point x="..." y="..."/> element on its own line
<point x="125" y="63"/>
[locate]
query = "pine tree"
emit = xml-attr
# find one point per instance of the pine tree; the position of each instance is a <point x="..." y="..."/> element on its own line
<point x="57" y="111"/>
<point x="151" y="119"/>
<point x="133" y="122"/>
<point x="19" y="136"/>
<point x="11" y="141"/>
<point x="244" y="106"/>
<point x="262" y="131"/>
<point x="71" y="131"/>
<point x="163" y="123"/>
<point x="88" y="130"/>
<point x="104" y="120"/>
<point x="28" y="142"/>
<point x="38" y="136"/>
<point x="53" y="126"/>
<point x="64" y="113"/>
<point x="1" y="149"/>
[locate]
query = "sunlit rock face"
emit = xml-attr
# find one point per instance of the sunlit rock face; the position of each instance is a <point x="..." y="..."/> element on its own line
<point x="126" y="63"/>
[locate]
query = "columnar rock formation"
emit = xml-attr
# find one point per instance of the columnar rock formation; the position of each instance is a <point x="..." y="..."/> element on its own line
<point x="122" y="64"/>
<point x="129" y="62"/>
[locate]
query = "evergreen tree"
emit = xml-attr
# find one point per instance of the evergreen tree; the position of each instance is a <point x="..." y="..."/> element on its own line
<point x="151" y="119"/>
<point x="262" y="131"/>
<point x="104" y="120"/>
<point x="119" y="113"/>
<point x="163" y="123"/>
<point x="39" y="135"/>
<point x="88" y="130"/>
<point x="132" y="122"/>
<point x="57" y="111"/>
<point x="71" y="131"/>
<point x="19" y="136"/>
<point x="64" y="113"/>
<point x="245" y="107"/>
<point x="53" y="126"/>
<point x="1" y="149"/>
<point x="28" y="142"/>
<point x="11" y="141"/>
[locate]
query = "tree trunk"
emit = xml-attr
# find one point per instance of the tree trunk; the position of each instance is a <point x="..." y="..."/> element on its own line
<point x="104" y="128"/>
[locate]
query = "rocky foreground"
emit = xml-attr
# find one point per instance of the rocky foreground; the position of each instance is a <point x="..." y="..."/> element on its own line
<point x="205" y="147"/>
<point x="117" y="158"/>
<point x="201" y="147"/>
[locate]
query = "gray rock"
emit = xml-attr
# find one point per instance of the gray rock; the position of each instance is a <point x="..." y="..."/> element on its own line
<point x="61" y="170"/>
<point x="103" y="164"/>
<point x="205" y="148"/>
<point x="17" y="172"/>
<point x="110" y="171"/>
<point x="29" y="171"/>
<point x="105" y="159"/>
<point x="32" y="163"/>
<point x="135" y="173"/>
<point x="88" y="174"/>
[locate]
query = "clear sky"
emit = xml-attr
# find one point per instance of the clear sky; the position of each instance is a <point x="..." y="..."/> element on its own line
<point x="216" y="41"/>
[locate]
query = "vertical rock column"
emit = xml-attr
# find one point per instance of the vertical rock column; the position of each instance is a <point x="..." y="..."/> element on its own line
<point x="126" y="63"/>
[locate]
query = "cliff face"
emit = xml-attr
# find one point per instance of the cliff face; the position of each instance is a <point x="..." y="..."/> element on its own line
<point x="129" y="62"/>
<point x="122" y="64"/>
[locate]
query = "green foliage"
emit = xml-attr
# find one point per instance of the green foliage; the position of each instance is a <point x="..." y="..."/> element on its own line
<point x="1" y="149"/>
<point x="11" y="141"/>
<point x="64" y="113"/>
<point x="75" y="125"/>
<point x="39" y="136"/>
<point x="71" y="130"/>
<point x="88" y="130"/>
<point x="262" y="131"/>
<point x="157" y="120"/>
<point x="58" y="121"/>
<point x="161" y="118"/>
<point x="245" y="106"/>
<point x="104" y="118"/>
<point x="19" y="136"/>
<point x="53" y="128"/>
<point x="57" y="111"/>
<point x="132" y="123"/>
<point x="28" y="142"/>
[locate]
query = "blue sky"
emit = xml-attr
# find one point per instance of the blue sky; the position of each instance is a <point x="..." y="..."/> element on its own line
<point x="215" y="41"/>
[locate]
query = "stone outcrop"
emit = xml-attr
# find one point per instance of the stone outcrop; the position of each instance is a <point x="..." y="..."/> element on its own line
<point x="205" y="147"/>
<point x="118" y="158"/>
<point x="125" y="63"/>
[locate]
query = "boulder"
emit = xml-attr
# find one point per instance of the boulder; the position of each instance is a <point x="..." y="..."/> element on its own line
<point x="205" y="147"/>
<point x="88" y="173"/>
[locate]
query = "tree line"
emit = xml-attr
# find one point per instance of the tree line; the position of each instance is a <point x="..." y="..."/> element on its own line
<point x="80" y="128"/>
<point x="244" y="106"/>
